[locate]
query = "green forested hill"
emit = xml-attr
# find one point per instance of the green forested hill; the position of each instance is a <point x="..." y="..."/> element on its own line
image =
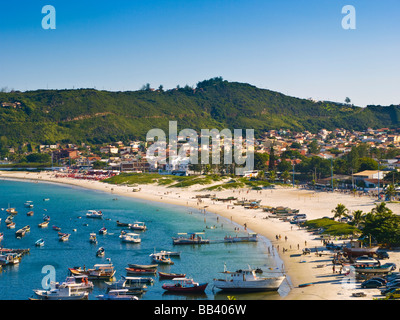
<point x="88" y="115"/>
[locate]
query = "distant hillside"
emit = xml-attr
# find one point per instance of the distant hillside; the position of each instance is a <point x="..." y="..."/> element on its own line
<point x="88" y="115"/>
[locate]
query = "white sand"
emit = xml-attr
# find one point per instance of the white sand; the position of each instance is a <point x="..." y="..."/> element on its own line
<point x="300" y="269"/>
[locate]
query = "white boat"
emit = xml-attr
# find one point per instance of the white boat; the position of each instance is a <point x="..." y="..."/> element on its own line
<point x="161" y="258"/>
<point x="77" y="284"/>
<point x="140" y="226"/>
<point x="28" y="204"/>
<point x="98" y="272"/>
<point x="94" y="214"/>
<point x="130" y="237"/>
<point x="39" y="243"/>
<point x="248" y="281"/>
<point x="93" y="238"/>
<point x="119" y="294"/>
<point x="62" y="293"/>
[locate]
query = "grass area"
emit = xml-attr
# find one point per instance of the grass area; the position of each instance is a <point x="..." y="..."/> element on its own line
<point x="172" y="181"/>
<point x="239" y="183"/>
<point x="332" y="227"/>
<point x="26" y="165"/>
<point x="164" y="180"/>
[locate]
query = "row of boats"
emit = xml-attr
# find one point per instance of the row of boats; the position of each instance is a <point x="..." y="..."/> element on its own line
<point x="79" y="283"/>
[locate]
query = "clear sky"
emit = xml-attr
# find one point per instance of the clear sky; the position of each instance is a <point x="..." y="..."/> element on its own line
<point x="297" y="47"/>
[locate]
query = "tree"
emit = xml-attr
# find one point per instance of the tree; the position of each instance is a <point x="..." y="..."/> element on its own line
<point x="313" y="147"/>
<point x="383" y="225"/>
<point x="347" y="100"/>
<point x="358" y="218"/>
<point x="390" y="192"/>
<point x="381" y="208"/>
<point x="340" y="211"/>
<point x="260" y="161"/>
<point x="285" y="176"/>
<point x="271" y="164"/>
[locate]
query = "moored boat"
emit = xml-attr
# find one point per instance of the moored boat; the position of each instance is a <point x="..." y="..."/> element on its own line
<point x="161" y="258"/>
<point x="93" y="238"/>
<point x="10" y="225"/>
<point x="39" y="243"/>
<point x="63" y="236"/>
<point x="63" y="293"/>
<point x="143" y="266"/>
<point x="56" y="228"/>
<point x="118" y="294"/>
<point x="10" y="259"/>
<point x="165" y="275"/>
<point x="98" y="272"/>
<point x="30" y="213"/>
<point x="20" y="233"/>
<point x="100" y="252"/>
<point x="103" y="230"/>
<point x="191" y="238"/>
<point x="248" y="281"/>
<point x="140" y="271"/>
<point x="94" y="214"/>
<point x="130" y="237"/>
<point x="184" y="285"/>
<point x="43" y="224"/>
<point x="139" y="226"/>
<point x="28" y="204"/>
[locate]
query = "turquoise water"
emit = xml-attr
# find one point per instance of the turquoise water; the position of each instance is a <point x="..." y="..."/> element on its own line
<point x="67" y="208"/>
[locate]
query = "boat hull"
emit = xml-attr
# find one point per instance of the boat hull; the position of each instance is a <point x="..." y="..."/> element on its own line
<point x="270" y="284"/>
<point x="178" y="289"/>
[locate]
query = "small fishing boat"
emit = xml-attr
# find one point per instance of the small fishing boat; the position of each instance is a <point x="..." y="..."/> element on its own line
<point x="20" y="233"/>
<point x="139" y="226"/>
<point x="161" y="258"/>
<point x="93" y="238"/>
<point x="46" y="217"/>
<point x="140" y="271"/>
<point x="130" y="238"/>
<point x="103" y="230"/>
<point x="43" y="224"/>
<point x="63" y="293"/>
<point x="164" y="275"/>
<point x="9" y="219"/>
<point x="39" y="243"/>
<point x="10" y="259"/>
<point x="56" y="228"/>
<point x="46" y="199"/>
<point x="27" y="228"/>
<point x="29" y="213"/>
<point x="94" y="214"/>
<point x="184" y="285"/>
<point x="1" y="236"/>
<point x="10" y="225"/>
<point x="76" y="283"/>
<point x="28" y="204"/>
<point x="120" y="224"/>
<point x="143" y="266"/>
<point x="98" y="272"/>
<point x="171" y="253"/>
<point x="119" y="294"/>
<point x="100" y="252"/>
<point x="63" y="236"/>
<point x="12" y="211"/>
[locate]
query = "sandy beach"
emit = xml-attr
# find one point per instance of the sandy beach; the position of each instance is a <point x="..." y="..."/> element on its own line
<point x="300" y="269"/>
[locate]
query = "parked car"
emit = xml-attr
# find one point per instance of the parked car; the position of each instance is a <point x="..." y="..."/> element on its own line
<point x="389" y="289"/>
<point x="395" y="294"/>
<point x="382" y="255"/>
<point x="372" y="284"/>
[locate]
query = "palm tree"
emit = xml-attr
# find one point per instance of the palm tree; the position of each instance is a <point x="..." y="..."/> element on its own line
<point x="381" y="208"/>
<point x="358" y="218"/>
<point x="390" y="192"/>
<point x="340" y="211"/>
<point x="285" y="176"/>
<point x="272" y="176"/>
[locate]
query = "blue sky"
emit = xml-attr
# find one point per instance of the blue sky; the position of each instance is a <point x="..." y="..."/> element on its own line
<point x="297" y="47"/>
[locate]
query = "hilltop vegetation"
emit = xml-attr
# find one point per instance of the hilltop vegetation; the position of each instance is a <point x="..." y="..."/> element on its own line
<point x="88" y="115"/>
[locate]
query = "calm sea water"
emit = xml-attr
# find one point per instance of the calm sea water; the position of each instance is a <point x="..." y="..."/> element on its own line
<point x="67" y="208"/>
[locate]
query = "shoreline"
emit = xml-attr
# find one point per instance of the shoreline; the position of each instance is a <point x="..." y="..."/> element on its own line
<point x="298" y="268"/>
